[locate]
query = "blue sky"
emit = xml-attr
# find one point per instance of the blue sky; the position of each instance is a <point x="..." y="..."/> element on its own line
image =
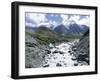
<point x="54" y="19"/>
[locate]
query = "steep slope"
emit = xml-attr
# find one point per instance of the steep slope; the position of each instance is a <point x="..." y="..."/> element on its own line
<point x="61" y="29"/>
<point x="81" y="50"/>
<point x="75" y="29"/>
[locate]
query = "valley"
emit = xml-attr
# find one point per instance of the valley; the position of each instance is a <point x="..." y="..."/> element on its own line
<point x="60" y="47"/>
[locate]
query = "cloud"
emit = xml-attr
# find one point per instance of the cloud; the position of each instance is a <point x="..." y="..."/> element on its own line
<point x="30" y="24"/>
<point x="35" y="18"/>
<point x="64" y="19"/>
<point x="84" y="21"/>
<point x="74" y="18"/>
<point x="54" y="23"/>
<point x="44" y="24"/>
<point x="81" y="21"/>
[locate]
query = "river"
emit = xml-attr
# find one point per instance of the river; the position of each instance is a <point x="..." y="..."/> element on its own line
<point x="60" y="55"/>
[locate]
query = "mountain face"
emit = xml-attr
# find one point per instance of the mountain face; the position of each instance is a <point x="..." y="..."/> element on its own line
<point x="61" y="29"/>
<point x="72" y="30"/>
<point x="78" y="29"/>
<point x="81" y="50"/>
<point x="84" y="28"/>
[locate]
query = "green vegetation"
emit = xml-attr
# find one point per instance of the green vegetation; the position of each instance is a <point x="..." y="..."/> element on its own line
<point x="45" y="36"/>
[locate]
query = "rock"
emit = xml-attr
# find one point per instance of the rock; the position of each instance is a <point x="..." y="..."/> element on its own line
<point x="55" y="51"/>
<point x="73" y="58"/>
<point x="48" y="51"/>
<point x="61" y="52"/>
<point x="46" y="65"/>
<point x="58" y="52"/>
<point x="74" y="49"/>
<point x="69" y="51"/>
<point x="51" y="45"/>
<point x="82" y="58"/>
<point x="81" y="49"/>
<point x="58" y="64"/>
<point x="75" y="64"/>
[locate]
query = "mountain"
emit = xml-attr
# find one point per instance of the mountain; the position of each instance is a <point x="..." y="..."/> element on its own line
<point x="84" y="28"/>
<point x="30" y="29"/>
<point x="74" y="28"/>
<point x="61" y="29"/>
<point x="81" y="49"/>
<point x="44" y="35"/>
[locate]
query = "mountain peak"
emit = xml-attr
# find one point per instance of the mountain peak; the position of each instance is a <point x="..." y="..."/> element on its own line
<point x="61" y="29"/>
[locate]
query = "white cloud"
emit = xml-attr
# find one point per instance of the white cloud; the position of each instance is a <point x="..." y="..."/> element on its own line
<point x="49" y="24"/>
<point x="36" y="18"/>
<point x="83" y="21"/>
<point x="54" y="23"/>
<point x="44" y="24"/>
<point x="64" y="19"/>
<point x="30" y="24"/>
<point x="74" y="18"/>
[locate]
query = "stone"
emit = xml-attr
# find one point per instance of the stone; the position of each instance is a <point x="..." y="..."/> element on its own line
<point x="46" y="65"/>
<point x="75" y="64"/>
<point x="58" y="64"/>
<point x="48" y="51"/>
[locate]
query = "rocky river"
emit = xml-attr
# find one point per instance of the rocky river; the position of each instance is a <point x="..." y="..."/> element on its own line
<point x="61" y="55"/>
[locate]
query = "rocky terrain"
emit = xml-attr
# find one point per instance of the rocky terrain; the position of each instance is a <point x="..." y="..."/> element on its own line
<point x="81" y="49"/>
<point x="46" y="48"/>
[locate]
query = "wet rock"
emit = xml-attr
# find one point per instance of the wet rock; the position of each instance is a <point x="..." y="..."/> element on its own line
<point x="55" y="51"/>
<point x="58" y="64"/>
<point x="58" y="52"/>
<point x="82" y="57"/>
<point x="74" y="49"/>
<point x="48" y="51"/>
<point x="69" y="51"/>
<point x="46" y="65"/>
<point x="75" y="64"/>
<point x="61" y="52"/>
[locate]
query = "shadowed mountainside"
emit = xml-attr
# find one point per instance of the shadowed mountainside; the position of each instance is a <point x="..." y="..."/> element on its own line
<point x="81" y="50"/>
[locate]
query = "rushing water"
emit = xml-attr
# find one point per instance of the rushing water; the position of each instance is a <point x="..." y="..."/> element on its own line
<point x="60" y="55"/>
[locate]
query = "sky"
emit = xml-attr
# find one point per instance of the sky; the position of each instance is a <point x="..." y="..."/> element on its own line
<point x="54" y="19"/>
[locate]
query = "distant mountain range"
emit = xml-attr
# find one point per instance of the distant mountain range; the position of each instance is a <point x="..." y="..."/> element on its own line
<point x="71" y="30"/>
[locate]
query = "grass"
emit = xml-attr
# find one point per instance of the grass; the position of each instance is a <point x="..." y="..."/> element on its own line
<point x="46" y="36"/>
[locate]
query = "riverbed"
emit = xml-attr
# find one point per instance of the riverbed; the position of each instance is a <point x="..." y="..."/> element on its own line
<point x="61" y="55"/>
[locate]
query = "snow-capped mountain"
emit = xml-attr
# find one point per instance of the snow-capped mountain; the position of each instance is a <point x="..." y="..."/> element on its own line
<point x="72" y="29"/>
